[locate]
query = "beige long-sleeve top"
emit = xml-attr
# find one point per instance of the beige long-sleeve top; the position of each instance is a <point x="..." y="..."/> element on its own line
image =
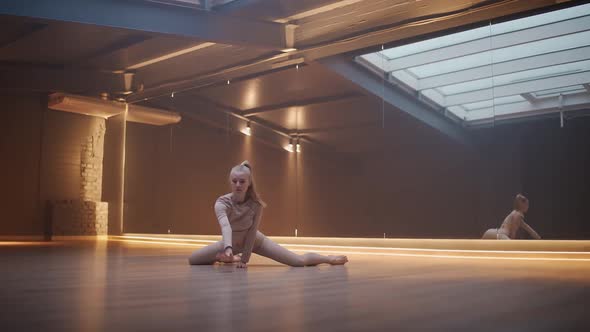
<point x="513" y="222"/>
<point x="239" y="223"/>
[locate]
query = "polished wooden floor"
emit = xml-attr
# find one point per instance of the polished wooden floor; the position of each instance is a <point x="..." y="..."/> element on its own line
<point x="130" y="286"/>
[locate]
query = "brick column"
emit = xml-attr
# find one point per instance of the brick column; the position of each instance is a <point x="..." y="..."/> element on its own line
<point x="88" y="215"/>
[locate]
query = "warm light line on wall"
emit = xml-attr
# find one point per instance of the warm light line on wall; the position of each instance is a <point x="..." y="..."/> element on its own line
<point x="160" y="242"/>
<point x="374" y="248"/>
<point x="122" y="188"/>
<point x="395" y="254"/>
<point x="28" y="243"/>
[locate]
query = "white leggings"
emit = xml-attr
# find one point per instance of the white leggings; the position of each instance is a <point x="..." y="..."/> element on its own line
<point x="494" y="234"/>
<point x="262" y="246"/>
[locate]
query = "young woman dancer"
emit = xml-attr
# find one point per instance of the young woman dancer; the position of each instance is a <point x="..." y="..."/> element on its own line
<point x="239" y="214"/>
<point x="513" y="222"/>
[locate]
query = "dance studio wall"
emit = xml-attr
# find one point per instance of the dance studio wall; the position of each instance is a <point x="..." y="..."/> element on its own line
<point x="175" y="173"/>
<point x="20" y="142"/>
<point x="422" y="189"/>
<point x="556" y="177"/>
<point x="418" y="184"/>
<point x="41" y="151"/>
<point x="549" y="165"/>
<point x="413" y="184"/>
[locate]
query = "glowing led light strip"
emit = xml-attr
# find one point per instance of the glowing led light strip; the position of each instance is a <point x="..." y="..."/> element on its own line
<point x="27" y="243"/>
<point x="160" y="242"/>
<point x="395" y="254"/>
<point x="162" y="238"/>
<point x="380" y="248"/>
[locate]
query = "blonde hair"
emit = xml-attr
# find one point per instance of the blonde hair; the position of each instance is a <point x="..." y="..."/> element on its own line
<point x="519" y="200"/>
<point x="251" y="193"/>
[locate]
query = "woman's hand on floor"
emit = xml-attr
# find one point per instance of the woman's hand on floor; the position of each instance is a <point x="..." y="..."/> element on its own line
<point x="241" y="265"/>
<point x="223" y="257"/>
<point x="229" y="252"/>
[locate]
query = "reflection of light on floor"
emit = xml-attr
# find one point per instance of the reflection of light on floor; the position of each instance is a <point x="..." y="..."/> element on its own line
<point x="27" y="243"/>
<point x="148" y="240"/>
<point x="160" y="242"/>
<point x="93" y="273"/>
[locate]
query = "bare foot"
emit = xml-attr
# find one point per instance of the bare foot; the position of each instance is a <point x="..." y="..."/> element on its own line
<point x="338" y="260"/>
<point x="237" y="258"/>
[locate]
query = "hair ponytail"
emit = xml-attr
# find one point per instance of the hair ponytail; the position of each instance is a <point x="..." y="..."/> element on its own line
<point x="519" y="200"/>
<point x="251" y="193"/>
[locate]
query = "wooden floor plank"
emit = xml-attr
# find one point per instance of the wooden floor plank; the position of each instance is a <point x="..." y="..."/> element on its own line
<point x="118" y="286"/>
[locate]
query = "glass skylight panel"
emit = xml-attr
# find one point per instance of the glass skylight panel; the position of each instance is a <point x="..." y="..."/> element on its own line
<point x="542" y="47"/>
<point x="431" y="44"/>
<point x="433" y="95"/>
<point x="486" y="113"/>
<point x="542" y="57"/>
<point x="492" y="103"/>
<point x="489" y="113"/>
<point x="545" y="72"/>
<point x="484" y="32"/>
<point x="556" y="92"/>
<point x="481" y="84"/>
<point x="452" y="65"/>
<point x="522" y="76"/>
<point x="458" y="111"/>
<point x="502" y="55"/>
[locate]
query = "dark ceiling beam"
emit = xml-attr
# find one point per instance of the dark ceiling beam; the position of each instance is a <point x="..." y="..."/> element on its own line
<point x="301" y="103"/>
<point x="44" y="79"/>
<point x="112" y="48"/>
<point x="156" y="18"/>
<point x="396" y="97"/>
<point x="29" y="31"/>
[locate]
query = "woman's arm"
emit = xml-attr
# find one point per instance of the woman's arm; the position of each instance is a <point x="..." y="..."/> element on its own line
<point x="251" y="236"/>
<point x="530" y="230"/>
<point x="226" y="232"/>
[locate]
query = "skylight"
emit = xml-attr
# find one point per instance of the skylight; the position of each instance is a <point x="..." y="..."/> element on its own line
<point x="525" y="67"/>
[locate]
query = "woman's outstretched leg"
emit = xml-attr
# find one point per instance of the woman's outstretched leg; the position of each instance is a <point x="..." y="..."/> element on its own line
<point x="206" y="255"/>
<point x="267" y="248"/>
